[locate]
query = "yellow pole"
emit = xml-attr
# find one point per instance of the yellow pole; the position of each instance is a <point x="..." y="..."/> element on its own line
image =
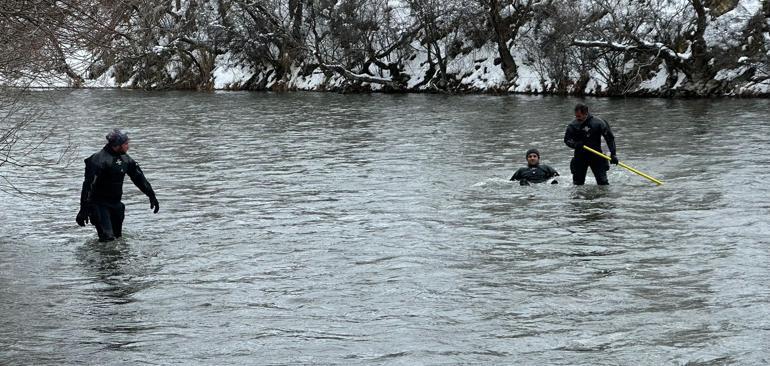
<point x="624" y="165"/>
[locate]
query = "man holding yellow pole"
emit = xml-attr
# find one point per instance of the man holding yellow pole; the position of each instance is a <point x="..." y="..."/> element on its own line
<point x="587" y="130"/>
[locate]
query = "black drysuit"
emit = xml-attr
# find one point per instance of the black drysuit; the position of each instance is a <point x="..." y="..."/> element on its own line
<point x="103" y="189"/>
<point x="589" y="133"/>
<point x="534" y="174"/>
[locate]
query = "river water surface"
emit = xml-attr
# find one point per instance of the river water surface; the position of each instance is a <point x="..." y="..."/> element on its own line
<point x="382" y="230"/>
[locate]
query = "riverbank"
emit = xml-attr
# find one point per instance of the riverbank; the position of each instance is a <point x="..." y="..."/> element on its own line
<point x="476" y="71"/>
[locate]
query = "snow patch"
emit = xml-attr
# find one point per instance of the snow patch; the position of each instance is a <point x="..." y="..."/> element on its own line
<point x="729" y="74"/>
<point x="657" y="82"/>
<point x="417" y="66"/>
<point x="314" y="81"/>
<point x="528" y="77"/>
<point x="105" y="80"/>
<point x="680" y="79"/>
<point x="592" y="86"/>
<point x="726" y="30"/>
<point x="477" y="69"/>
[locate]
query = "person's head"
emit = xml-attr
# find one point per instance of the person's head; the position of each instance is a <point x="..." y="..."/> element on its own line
<point x="118" y="141"/>
<point x="533" y="157"/>
<point x="581" y="112"/>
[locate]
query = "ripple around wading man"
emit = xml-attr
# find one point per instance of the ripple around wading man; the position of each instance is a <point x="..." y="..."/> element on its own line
<point x="118" y="271"/>
<point x="386" y="231"/>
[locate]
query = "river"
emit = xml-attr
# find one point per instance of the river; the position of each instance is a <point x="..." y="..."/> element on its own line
<point x="319" y="228"/>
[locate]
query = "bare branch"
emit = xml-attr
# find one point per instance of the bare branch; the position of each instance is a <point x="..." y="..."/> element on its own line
<point x="355" y="76"/>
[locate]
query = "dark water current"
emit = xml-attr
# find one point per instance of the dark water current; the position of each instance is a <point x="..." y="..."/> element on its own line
<point x="382" y="230"/>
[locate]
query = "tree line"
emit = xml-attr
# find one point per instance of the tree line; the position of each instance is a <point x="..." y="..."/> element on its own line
<point x="567" y="44"/>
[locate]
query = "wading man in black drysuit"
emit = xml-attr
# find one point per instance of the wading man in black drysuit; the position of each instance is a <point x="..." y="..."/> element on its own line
<point x="103" y="187"/>
<point x="534" y="172"/>
<point x="588" y="130"/>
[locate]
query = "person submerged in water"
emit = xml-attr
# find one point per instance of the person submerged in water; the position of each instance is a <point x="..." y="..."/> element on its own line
<point x="534" y="172"/>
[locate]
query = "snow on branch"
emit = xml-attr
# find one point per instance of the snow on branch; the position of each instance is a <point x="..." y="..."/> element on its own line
<point x="661" y="48"/>
<point x="640" y="46"/>
<point x="603" y="44"/>
<point x="355" y="76"/>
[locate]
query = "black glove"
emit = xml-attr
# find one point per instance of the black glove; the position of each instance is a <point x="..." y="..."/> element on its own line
<point x="614" y="159"/>
<point x="578" y="146"/>
<point x="154" y="204"/>
<point x="82" y="217"/>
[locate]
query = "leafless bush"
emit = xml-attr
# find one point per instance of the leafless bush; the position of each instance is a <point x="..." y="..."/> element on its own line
<point x="25" y="144"/>
<point x="34" y="48"/>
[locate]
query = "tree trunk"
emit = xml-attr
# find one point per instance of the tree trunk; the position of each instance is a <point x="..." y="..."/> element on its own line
<point x="502" y="35"/>
<point x="295" y="9"/>
<point x="699" y="50"/>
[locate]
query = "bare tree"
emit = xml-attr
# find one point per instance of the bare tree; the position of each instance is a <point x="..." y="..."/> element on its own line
<point x="444" y="25"/>
<point x="270" y="33"/>
<point x="506" y="18"/>
<point x="39" y="41"/>
<point x="361" y="40"/>
<point x="24" y="143"/>
<point x="177" y="44"/>
<point x="160" y="44"/>
<point x="655" y="31"/>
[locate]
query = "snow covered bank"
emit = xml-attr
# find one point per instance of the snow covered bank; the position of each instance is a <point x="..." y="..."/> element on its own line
<point x="671" y="48"/>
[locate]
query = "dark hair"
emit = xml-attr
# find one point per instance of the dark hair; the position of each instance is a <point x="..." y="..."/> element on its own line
<point x="582" y="108"/>
<point x="532" y="151"/>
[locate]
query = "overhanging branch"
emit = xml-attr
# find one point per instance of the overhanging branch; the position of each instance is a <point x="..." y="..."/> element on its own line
<point x="350" y="75"/>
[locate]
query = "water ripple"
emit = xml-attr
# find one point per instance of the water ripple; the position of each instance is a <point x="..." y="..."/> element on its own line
<point x="315" y="228"/>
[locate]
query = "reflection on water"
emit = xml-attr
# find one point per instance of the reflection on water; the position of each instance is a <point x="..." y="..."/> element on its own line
<point x="107" y="263"/>
<point x="316" y="228"/>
